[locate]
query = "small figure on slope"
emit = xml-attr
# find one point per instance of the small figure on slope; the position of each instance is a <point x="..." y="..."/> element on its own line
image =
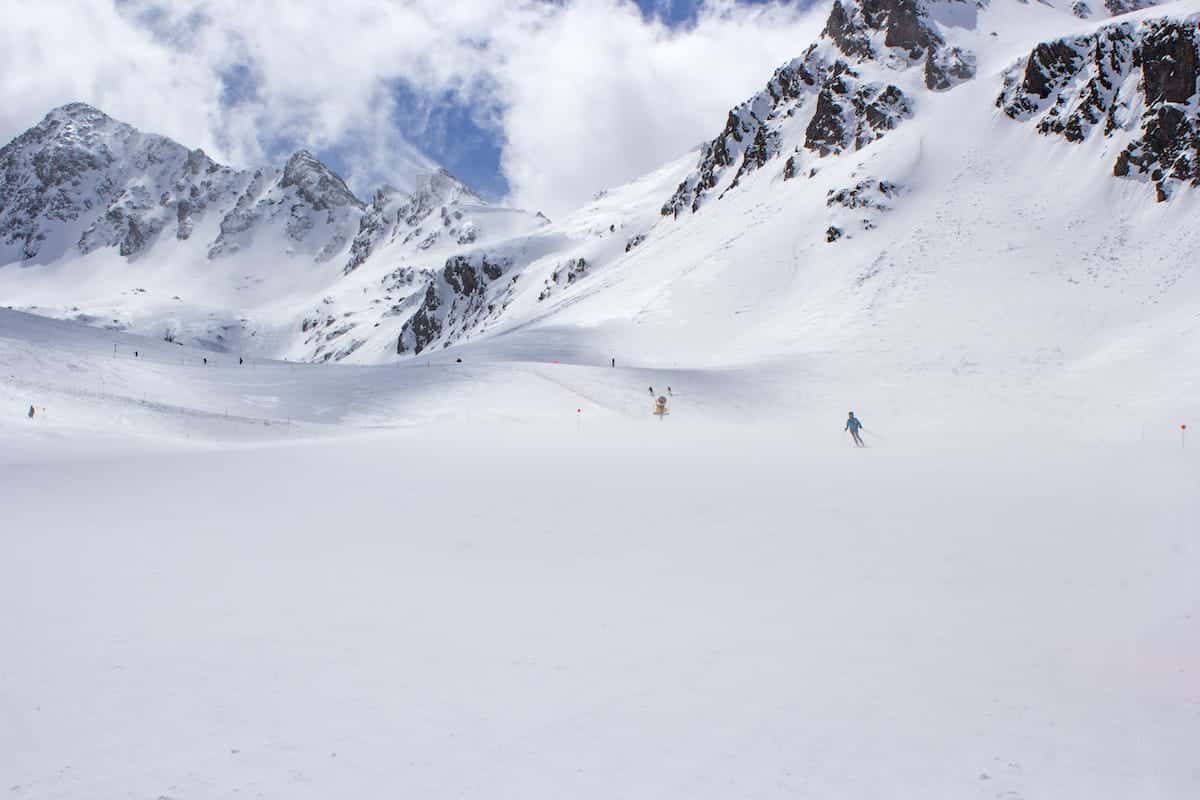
<point x="854" y="425"/>
<point x="31" y="412"/>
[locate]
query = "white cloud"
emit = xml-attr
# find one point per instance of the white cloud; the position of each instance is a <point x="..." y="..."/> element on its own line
<point x="54" y="52"/>
<point x="584" y="94"/>
<point x="597" y="96"/>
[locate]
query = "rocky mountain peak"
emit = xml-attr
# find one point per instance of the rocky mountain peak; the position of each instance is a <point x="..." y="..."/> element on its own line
<point x="320" y="186"/>
<point x="442" y="188"/>
<point x="82" y="112"/>
<point x="904" y="23"/>
<point x="841" y="85"/>
<point x="428" y="216"/>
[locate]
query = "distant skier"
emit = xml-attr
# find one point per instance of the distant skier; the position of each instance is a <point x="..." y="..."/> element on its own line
<point x="206" y="361"/>
<point x="854" y="425"/>
<point x="614" y="363"/>
<point x="240" y="362"/>
<point x="651" y="391"/>
<point x="32" y="411"/>
<point x="669" y="390"/>
<point x="135" y="353"/>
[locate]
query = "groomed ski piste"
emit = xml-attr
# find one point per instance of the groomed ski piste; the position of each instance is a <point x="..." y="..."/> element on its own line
<point x="506" y="578"/>
<point x="489" y="570"/>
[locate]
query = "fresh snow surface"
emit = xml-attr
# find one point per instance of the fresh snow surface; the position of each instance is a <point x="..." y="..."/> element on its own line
<point x="506" y="578"/>
<point x="405" y="575"/>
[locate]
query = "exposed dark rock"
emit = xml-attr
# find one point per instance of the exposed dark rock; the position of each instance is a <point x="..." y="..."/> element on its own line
<point x="423" y="327"/>
<point x="947" y="67"/>
<point x="567" y="274"/>
<point x="847" y="112"/>
<point x="789" y="168"/>
<point x="1077" y="84"/>
<point x="849" y="115"/>
<point x="457" y="300"/>
<point x="1167" y="57"/>
<point x="865" y="194"/>
<point x="749" y="138"/>
<point x="848" y="34"/>
<point x="1048" y="67"/>
<point x="1117" y="7"/>
<point x="318" y="185"/>
<point x="905" y="25"/>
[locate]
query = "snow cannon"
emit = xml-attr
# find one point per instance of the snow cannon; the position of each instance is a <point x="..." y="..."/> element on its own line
<point x="660" y="407"/>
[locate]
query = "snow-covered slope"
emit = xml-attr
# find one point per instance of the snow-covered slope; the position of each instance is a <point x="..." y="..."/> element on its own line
<point x="863" y="216"/>
<point x="968" y="185"/>
<point x="505" y="577"/>
<point x="102" y="223"/>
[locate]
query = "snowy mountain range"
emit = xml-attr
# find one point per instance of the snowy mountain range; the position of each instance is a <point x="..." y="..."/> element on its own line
<point x="888" y="177"/>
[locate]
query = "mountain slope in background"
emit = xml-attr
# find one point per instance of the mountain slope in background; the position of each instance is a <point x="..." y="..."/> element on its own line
<point x="102" y="223"/>
<point x="930" y="184"/>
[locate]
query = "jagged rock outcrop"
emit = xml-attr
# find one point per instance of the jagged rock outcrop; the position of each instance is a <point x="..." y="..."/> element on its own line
<point x="946" y="67"/>
<point x="851" y="114"/>
<point x="314" y="205"/>
<point x="1101" y="59"/>
<point x="1117" y="7"/>
<point x="904" y="23"/>
<point x="457" y="300"/>
<point x="847" y="113"/>
<point x="563" y="275"/>
<point x="749" y="139"/>
<point x="908" y="37"/>
<point x="838" y="81"/>
<point x="1074" y="86"/>
<point x="859" y="206"/>
<point x="864" y="194"/>
<point x="436" y="212"/>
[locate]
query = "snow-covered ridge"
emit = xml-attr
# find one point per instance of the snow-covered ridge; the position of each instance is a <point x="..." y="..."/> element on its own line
<point x="1132" y="80"/>
<point x="80" y="179"/>
<point x="834" y="186"/>
<point x="82" y="188"/>
<point x="81" y="172"/>
<point x="838" y="96"/>
<point x="857" y="83"/>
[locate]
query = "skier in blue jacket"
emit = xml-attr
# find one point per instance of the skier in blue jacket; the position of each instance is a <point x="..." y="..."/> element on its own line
<point x="853" y="425"/>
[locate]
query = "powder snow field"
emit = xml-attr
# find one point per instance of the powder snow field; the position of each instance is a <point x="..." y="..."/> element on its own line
<point x="403" y="575"/>
<point x="445" y="581"/>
